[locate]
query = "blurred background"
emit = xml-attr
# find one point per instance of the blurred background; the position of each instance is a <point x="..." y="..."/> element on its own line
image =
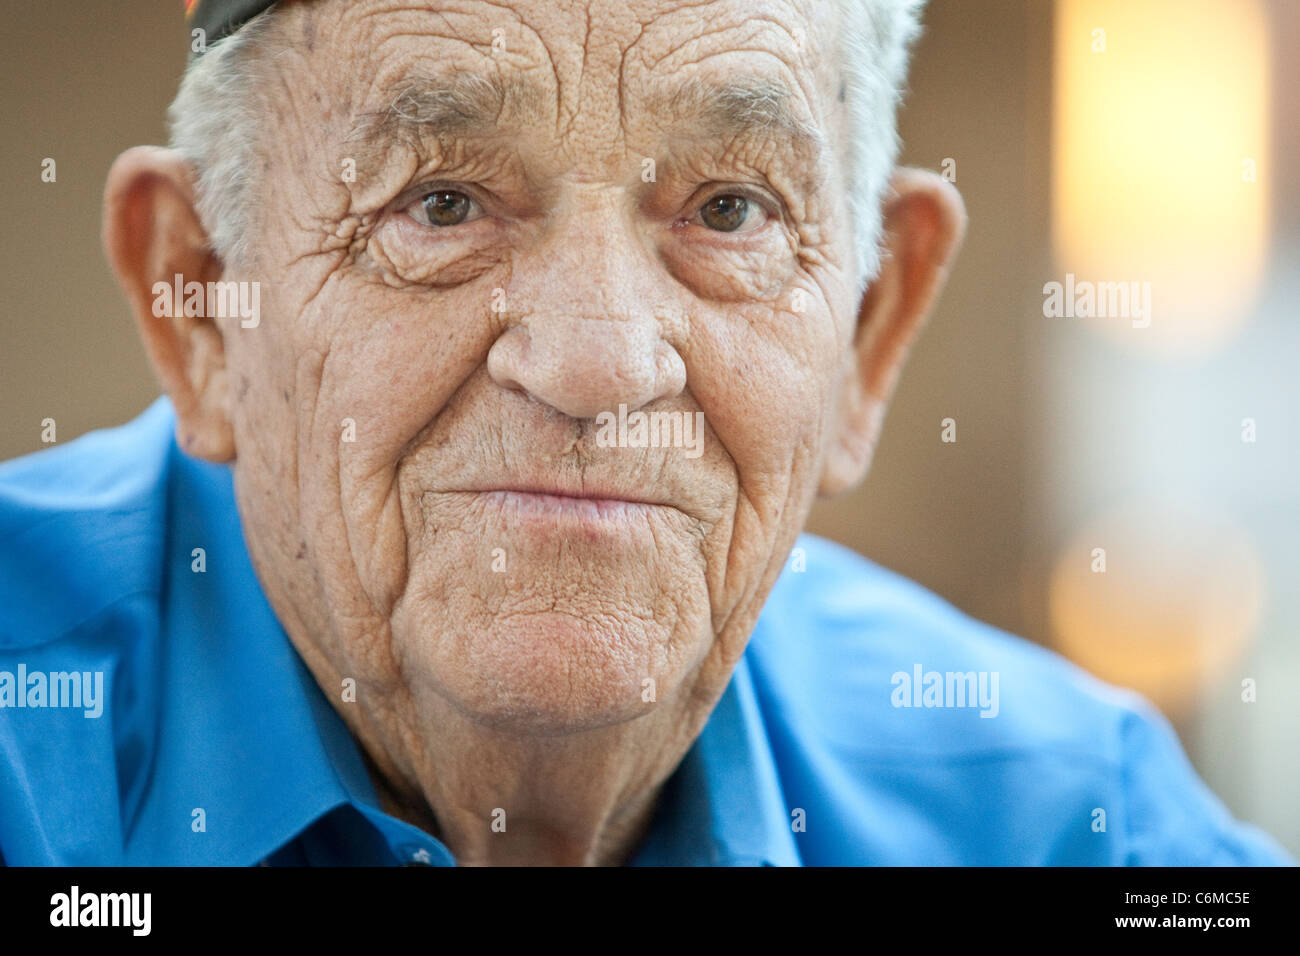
<point x="1125" y="493"/>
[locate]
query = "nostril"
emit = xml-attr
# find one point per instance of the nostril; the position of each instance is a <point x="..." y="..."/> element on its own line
<point x="670" y="372"/>
<point x="506" y="357"/>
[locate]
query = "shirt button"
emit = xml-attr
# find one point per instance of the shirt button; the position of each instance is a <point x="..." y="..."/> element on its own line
<point x="420" y="857"/>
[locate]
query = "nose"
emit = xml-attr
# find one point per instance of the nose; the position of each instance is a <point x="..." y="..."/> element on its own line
<point x="588" y="339"/>
<point x="583" y="366"/>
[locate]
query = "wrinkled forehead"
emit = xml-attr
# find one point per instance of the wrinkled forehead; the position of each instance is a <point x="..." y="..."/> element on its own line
<point x="594" y="69"/>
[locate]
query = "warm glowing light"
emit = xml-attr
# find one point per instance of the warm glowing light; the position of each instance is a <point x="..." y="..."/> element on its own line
<point x="1160" y="160"/>
<point x="1177" y="602"/>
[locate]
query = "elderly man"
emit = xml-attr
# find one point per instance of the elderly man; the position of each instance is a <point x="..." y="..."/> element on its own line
<point x="506" y="346"/>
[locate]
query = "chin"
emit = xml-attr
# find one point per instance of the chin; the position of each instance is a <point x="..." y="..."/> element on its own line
<point x="549" y="673"/>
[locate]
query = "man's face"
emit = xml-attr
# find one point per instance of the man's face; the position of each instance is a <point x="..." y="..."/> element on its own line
<point x="430" y="500"/>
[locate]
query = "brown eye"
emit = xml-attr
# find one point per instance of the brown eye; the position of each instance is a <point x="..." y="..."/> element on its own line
<point x="446" y="207"/>
<point x="725" y="213"/>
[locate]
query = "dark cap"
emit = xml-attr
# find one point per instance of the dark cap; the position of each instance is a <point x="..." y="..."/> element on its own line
<point x="220" y="18"/>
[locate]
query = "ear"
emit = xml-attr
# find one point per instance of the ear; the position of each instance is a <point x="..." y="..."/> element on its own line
<point x="152" y="234"/>
<point x="924" y="220"/>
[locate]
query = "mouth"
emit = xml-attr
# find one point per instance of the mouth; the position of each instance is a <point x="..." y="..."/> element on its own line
<point x="590" y="505"/>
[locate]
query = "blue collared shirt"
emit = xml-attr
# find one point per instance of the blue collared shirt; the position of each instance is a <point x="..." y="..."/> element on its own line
<point x="868" y="722"/>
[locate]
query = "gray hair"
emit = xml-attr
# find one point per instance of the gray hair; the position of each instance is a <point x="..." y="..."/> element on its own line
<point x="215" y="123"/>
<point x="216" y="126"/>
<point x="877" y="41"/>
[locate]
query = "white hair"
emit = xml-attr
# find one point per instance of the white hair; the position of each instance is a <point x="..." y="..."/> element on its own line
<point x="215" y="122"/>
<point x="877" y="38"/>
<point x="216" y="125"/>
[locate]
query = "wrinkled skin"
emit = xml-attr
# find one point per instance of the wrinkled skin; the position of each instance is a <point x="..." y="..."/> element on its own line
<point x="502" y="641"/>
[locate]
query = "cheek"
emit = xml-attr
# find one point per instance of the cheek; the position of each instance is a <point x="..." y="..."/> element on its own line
<point x="392" y="359"/>
<point x="762" y="376"/>
<point x="376" y="366"/>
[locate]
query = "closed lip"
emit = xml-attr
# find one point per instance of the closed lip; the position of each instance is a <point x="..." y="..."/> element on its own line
<point x="562" y="496"/>
<point x="594" y="503"/>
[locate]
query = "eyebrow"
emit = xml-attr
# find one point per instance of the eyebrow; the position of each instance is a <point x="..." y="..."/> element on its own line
<point x="737" y="108"/>
<point x="463" y="105"/>
<point x="471" y="104"/>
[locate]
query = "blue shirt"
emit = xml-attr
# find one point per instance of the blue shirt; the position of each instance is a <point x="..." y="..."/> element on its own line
<point x="842" y="738"/>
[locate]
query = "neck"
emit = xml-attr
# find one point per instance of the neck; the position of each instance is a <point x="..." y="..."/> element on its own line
<point x="495" y="798"/>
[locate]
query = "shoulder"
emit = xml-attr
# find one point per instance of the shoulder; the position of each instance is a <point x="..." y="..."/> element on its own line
<point x="80" y="526"/>
<point x="106" y="638"/>
<point x="990" y="748"/>
<point x="846" y="624"/>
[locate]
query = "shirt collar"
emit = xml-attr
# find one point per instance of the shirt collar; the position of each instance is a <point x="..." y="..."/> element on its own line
<point x="724" y="806"/>
<point x="244" y="751"/>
